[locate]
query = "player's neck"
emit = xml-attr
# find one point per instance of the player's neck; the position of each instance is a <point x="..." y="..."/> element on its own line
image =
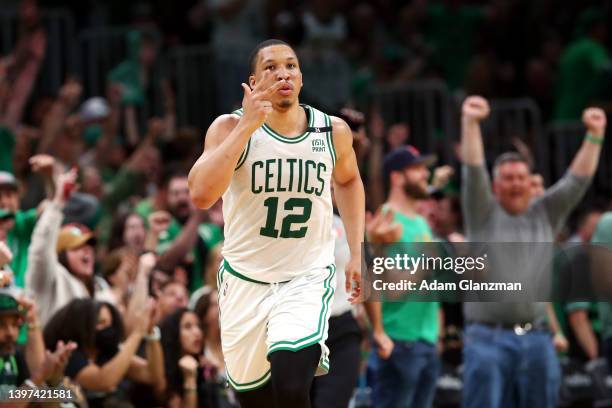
<point x="402" y="203"/>
<point x="289" y="123"/>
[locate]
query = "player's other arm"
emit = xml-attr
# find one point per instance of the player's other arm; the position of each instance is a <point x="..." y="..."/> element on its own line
<point x="350" y="199"/>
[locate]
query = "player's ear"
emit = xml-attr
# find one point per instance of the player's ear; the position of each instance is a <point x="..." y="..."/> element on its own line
<point x="252" y="81"/>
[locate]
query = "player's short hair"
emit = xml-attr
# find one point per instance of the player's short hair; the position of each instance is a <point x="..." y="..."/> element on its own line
<point x="508" y="157"/>
<point x="262" y="45"/>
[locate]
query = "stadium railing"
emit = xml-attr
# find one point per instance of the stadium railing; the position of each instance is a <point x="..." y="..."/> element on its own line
<point x="425" y="106"/>
<point x="60" y="58"/>
<point x="193" y="69"/>
<point x="563" y="139"/>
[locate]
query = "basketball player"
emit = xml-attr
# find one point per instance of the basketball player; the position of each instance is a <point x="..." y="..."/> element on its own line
<point x="273" y="161"/>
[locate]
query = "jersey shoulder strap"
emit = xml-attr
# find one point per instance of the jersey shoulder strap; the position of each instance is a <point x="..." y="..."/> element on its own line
<point x="322" y="124"/>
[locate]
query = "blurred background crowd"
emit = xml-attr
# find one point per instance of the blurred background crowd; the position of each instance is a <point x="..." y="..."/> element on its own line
<point x="103" y="108"/>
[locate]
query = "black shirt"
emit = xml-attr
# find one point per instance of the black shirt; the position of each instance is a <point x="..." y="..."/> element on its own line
<point x="13" y="369"/>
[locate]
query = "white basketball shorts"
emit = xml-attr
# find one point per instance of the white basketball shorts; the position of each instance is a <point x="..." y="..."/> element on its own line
<point x="258" y="318"/>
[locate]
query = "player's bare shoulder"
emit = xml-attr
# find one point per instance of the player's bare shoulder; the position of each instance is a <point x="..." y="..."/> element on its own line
<point x="341" y="133"/>
<point x="220" y="128"/>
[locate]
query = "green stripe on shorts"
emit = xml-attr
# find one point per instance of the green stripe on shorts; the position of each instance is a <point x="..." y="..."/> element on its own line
<point x="239" y="275"/>
<point x="250" y="386"/>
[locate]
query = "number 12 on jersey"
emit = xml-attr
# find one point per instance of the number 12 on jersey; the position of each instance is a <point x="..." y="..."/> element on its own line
<point x="271" y="203"/>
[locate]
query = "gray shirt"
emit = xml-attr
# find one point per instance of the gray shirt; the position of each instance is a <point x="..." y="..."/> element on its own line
<point x="486" y="221"/>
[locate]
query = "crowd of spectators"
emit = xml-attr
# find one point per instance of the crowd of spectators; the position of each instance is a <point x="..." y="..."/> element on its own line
<point x="108" y="268"/>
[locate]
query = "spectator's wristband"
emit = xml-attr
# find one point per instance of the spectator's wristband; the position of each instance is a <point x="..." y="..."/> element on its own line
<point x="34" y="326"/>
<point x="594" y="139"/>
<point x="154" y="336"/>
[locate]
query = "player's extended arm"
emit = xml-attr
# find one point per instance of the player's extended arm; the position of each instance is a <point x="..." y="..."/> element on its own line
<point x="585" y="161"/>
<point x="225" y="140"/>
<point x="474" y="110"/>
<point x="350" y="199"/>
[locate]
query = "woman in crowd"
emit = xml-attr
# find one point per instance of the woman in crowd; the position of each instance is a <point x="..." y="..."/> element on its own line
<point x="99" y="365"/>
<point x="182" y="344"/>
<point x="61" y="260"/>
<point x="128" y="233"/>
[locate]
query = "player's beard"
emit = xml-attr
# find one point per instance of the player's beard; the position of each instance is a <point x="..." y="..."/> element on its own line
<point x="285" y="103"/>
<point x="415" y="190"/>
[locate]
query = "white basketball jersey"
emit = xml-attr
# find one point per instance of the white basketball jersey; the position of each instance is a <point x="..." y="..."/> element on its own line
<point x="278" y="208"/>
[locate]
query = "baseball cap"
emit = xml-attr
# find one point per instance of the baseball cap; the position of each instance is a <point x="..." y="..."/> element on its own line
<point x="8" y="180"/>
<point x="74" y="235"/>
<point x="94" y="109"/>
<point x="404" y="156"/>
<point x="8" y="302"/>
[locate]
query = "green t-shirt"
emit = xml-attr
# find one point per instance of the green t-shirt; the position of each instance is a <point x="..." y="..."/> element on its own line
<point x="412" y="321"/>
<point x="579" y="77"/>
<point x="210" y="234"/>
<point x="19" y="241"/>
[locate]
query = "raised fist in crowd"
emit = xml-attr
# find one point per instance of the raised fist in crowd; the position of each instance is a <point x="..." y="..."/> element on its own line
<point x="595" y="121"/>
<point x="475" y="108"/>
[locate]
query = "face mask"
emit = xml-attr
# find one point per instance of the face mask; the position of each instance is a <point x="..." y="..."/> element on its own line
<point x="107" y="341"/>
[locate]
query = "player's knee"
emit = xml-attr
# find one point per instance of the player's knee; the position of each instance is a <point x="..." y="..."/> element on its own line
<point x="292" y="392"/>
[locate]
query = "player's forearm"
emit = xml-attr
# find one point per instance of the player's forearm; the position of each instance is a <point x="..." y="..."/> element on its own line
<point x="212" y="173"/>
<point x="472" y="149"/>
<point x="586" y="160"/>
<point x="350" y="199"/>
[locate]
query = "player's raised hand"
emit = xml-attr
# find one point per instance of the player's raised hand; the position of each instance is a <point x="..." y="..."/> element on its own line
<point x="256" y="102"/>
<point x="475" y="108"/>
<point x="595" y="121"/>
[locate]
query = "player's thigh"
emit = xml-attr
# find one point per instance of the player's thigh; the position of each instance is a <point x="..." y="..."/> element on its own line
<point x="300" y="315"/>
<point x="243" y="311"/>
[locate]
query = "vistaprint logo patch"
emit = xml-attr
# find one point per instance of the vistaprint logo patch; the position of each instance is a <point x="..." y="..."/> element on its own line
<point x="318" y="146"/>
